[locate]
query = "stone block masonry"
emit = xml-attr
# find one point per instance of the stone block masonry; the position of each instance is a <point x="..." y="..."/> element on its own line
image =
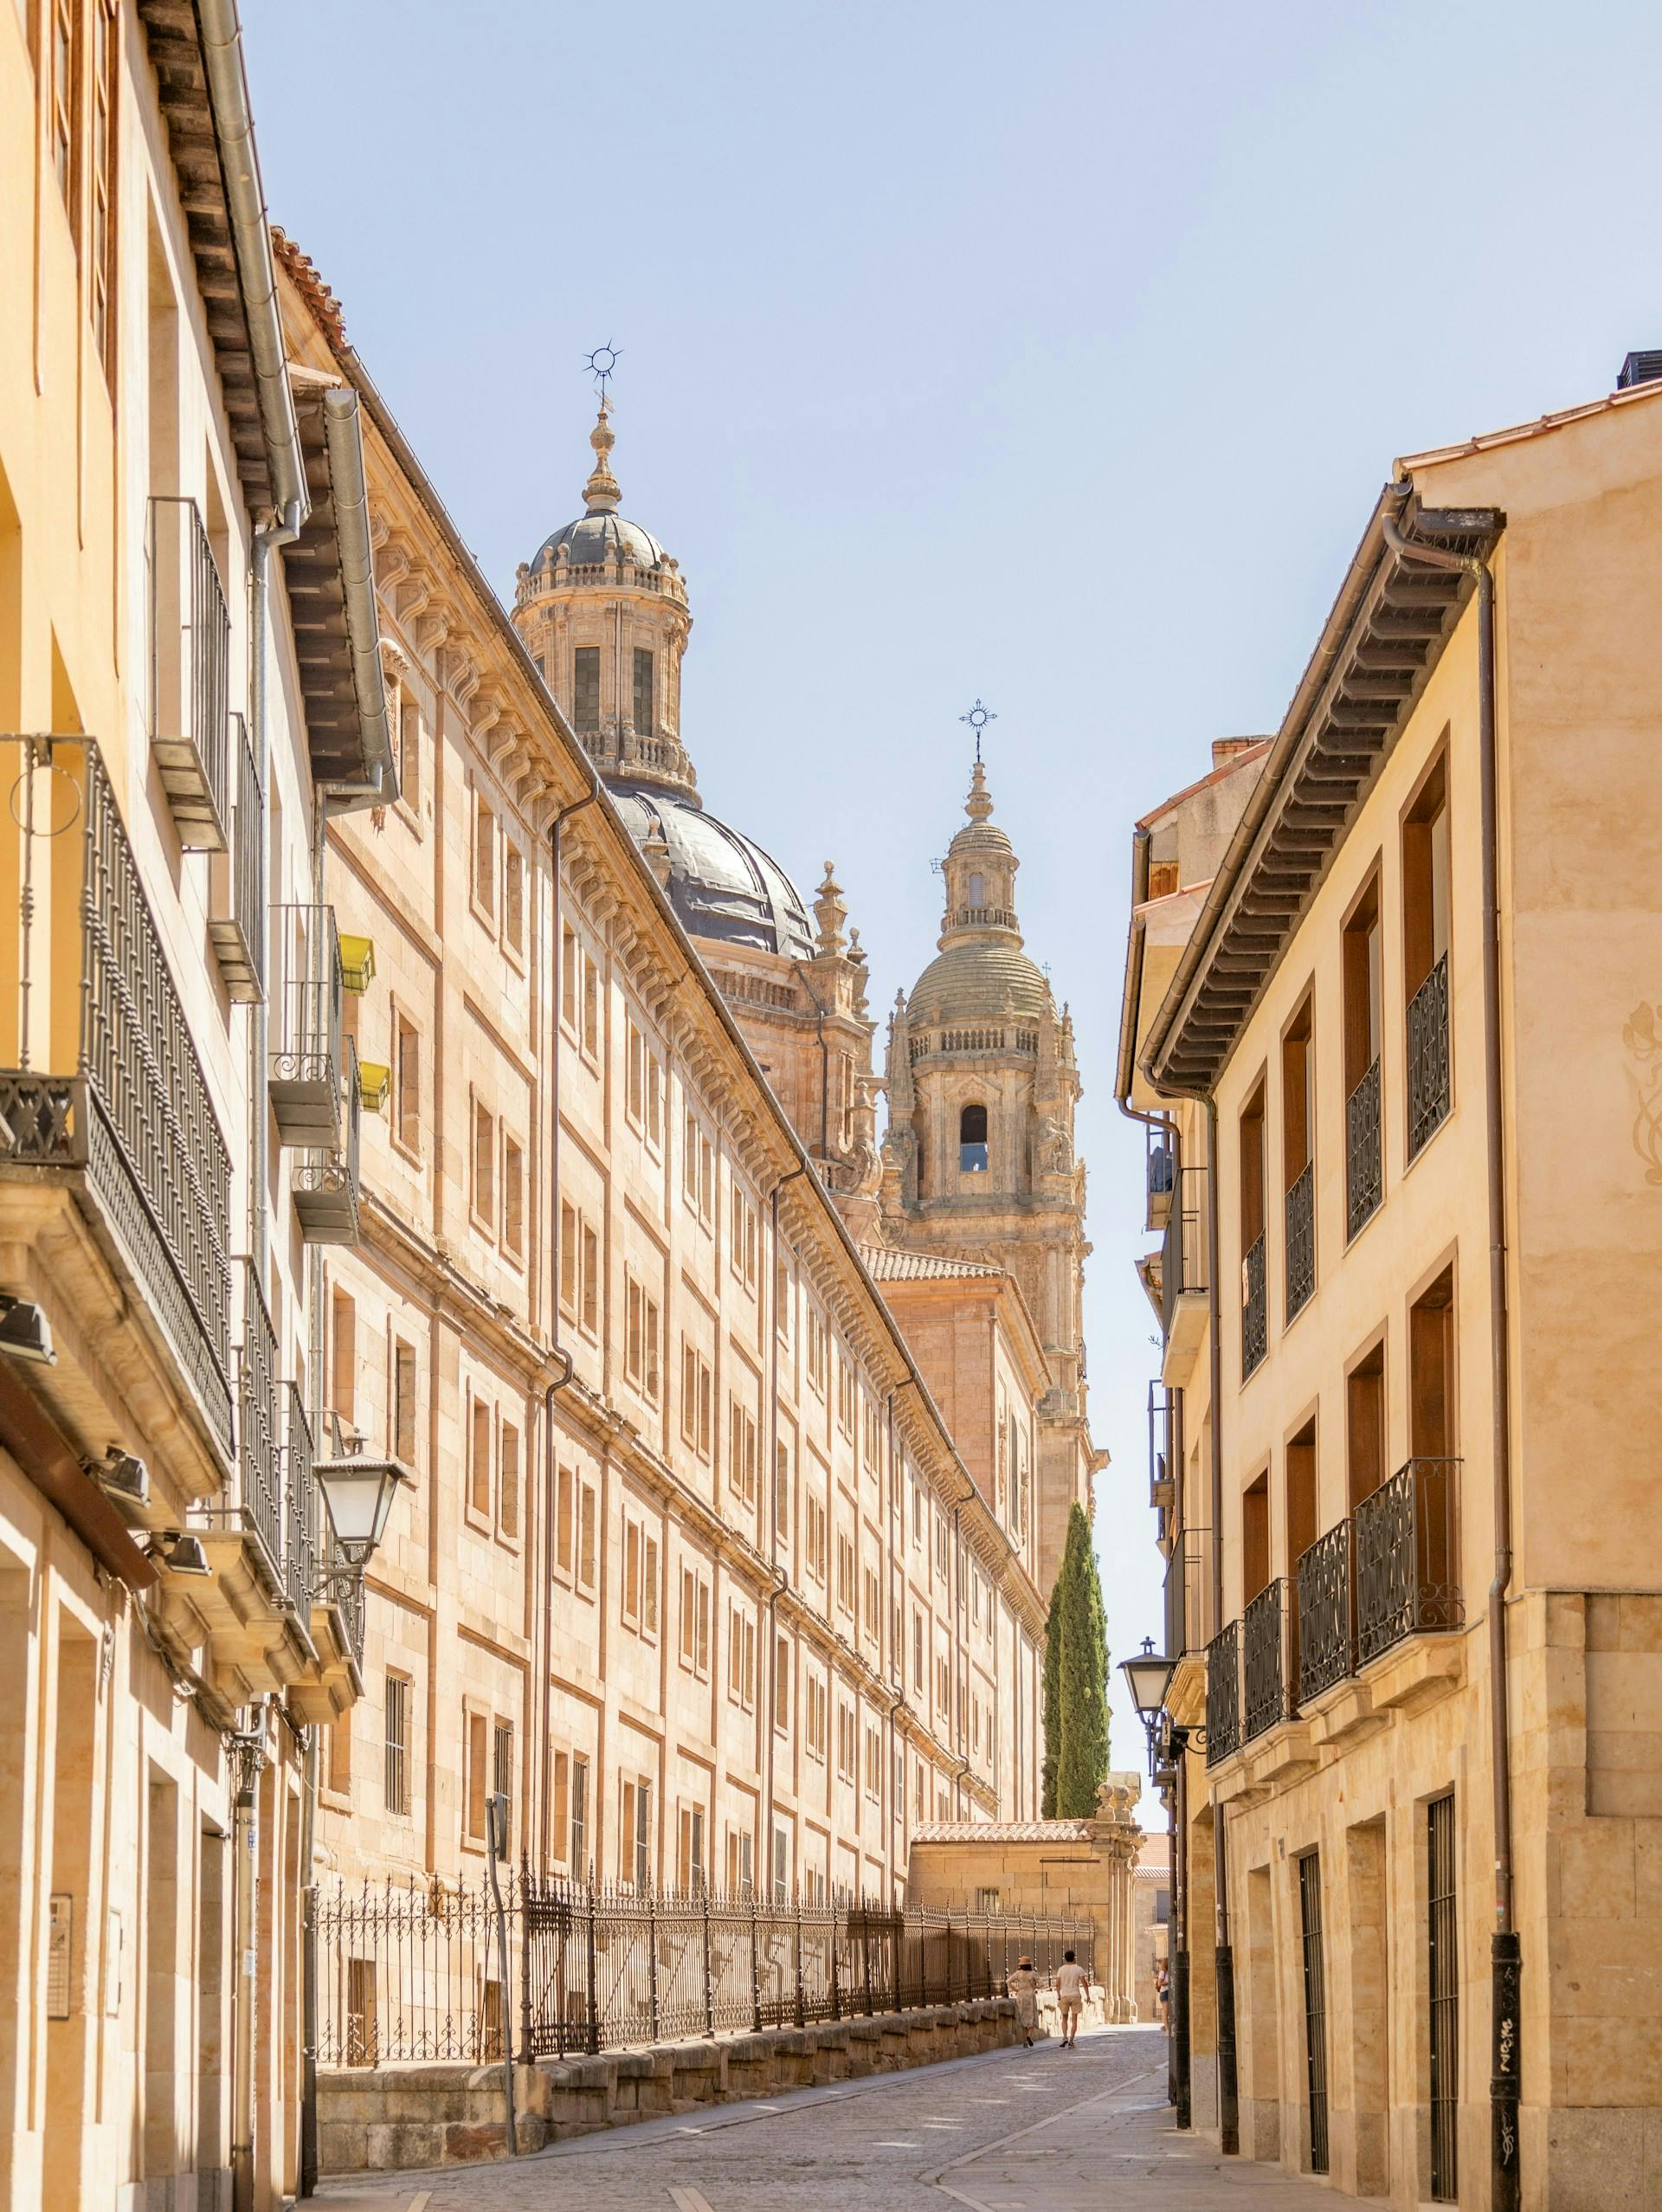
<point x="383" y="2120"/>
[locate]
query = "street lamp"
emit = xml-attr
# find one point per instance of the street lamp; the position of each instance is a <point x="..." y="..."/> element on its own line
<point x="1148" y="1677"/>
<point x="359" y="1494"/>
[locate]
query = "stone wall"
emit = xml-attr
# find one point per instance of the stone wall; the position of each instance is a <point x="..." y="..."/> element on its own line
<point x="384" y="2118"/>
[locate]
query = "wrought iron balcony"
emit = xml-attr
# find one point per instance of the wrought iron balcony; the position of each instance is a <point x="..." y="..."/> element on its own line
<point x="1301" y="1239"/>
<point x="190" y="674"/>
<point x="1270" y="1658"/>
<point x="304" y="1040"/>
<point x="1160" y="1172"/>
<point x="1428" y="1092"/>
<point x="103" y="1084"/>
<point x="1162" y="1470"/>
<point x="1183" y="1252"/>
<point x="325" y="1184"/>
<point x="301" y="1576"/>
<point x="260" y="1500"/>
<point x="1407" y="1566"/>
<point x="1326" y="1629"/>
<point x="1254" y="1309"/>
<point x="1223" y="1695"/>
<point x="1364" y="1173"/>
<point x="238" y="930"/>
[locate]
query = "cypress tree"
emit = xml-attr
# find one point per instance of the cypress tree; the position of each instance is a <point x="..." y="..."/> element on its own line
<point x="1076" y="1681"/>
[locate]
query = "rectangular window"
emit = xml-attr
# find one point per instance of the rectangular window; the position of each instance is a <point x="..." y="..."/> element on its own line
<point x="565" y="1485"/>
<point x="689" y="1861"/>
<point x="641" y="1345"/>
<point x="745" y="1237"/>
<point x="340" y="1755"/>
<point x="502" y="1782"/>
<point x="873" y="1602"/>
<point x="781" y="1866"/>
<point x="845" y="1571"/>
<point x="409" y="735"/>
<point x="513" y="1198"/>
<point x="814" y="1526"/>
<point x="1365" y="1425"/>
<point x="560" y="1779"/>
<point x="816" y="1349"/>
<point x="815" y="1700"/>
<point x="484" y="1165"/>
<point x="1424" y="950"/>
<point x="1298" y="1159"/>
<point x="586" y="1537"/>
<point x="479" y="1462"/>
<point x="484" y="855"/>
<point x="1361" y="979"/>
<point x="695" y="1622"/>
<point x="741" y="1451"/>
<point x="781" y="1490"/>
<point x="741" y="1657"/>
<point x="873" y="1763"/>
<point x="343" y="1358"/>
<point x="699" y="1170"/>
<point x="845" y="1396"/>
<point x="513" y="897"/>
<point x="61" y="61"/>
<point x="571" y="971"/>
<point x="100" y="179"/>
<point x="397" y="1746"/>
<point x="782" y="1297"/>
<point x="1310" y="1914"/>
<point x="578" y="1854"/>
<point x="402" y="1441"/>
<point x="476" y="1781"/>
<point x="942" y="1546"/>
<point x="508" y="1485"/>
<point x="942" y="1686"/>
<point x="781" y="1684"/>
<point x="634" y="1832"/>
<point x="697" y="1398"/>
<point x="645" y="721"/>
<point x="591" y="1007"/>
<point x="585" y="688"/>
<point x="918" y="1651"/>
<point x="740" y="1846"/>
<point x="873" y="1433"/>
<point x="407" y="1077"/>
<point x="1254" y="1309"/>
<point x="1443" y="1996"/>
<point x="847" y="1742"/>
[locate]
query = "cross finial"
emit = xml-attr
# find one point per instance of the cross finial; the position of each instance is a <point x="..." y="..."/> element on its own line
<point x="978" y="717"/>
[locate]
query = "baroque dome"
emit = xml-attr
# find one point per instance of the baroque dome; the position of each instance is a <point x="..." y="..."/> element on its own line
<point x="979" y="980"/>
<point x="592" y="538"/>
<point x="723" y="886"/>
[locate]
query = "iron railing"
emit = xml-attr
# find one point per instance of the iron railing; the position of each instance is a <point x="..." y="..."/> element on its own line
<point x="301" y="1576"/>
<point x="1223" y="1693"/>
<point x="305" y="1037"/>
<point x="260" y="1500"/>
<point x="135" y="1114"/>
<point x="1407" y="1567"/>
<point x="1183" y="1252"/>
<point x="1160" y="1172"/>
<point x="411" y="1972"/>
<point x="1188" y="1593"/>
<point x="1428" y="1090"/>
<point x="1254" y="1309"/>
<point x="239" y="934"/>
<point x="1364" y="1173"/>
<point x="1266" y="1663"/>
<point x="1163" y="1471"/>
<point x="190" y="673"/>
<point x="1327" y="1636"/>
<point x="1301" y="1239"/>
<point x="325" y="1184"/>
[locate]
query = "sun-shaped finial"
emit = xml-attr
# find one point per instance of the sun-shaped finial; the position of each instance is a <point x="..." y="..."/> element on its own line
<point x="978" y="717"/>
<point x="599" y="365"/>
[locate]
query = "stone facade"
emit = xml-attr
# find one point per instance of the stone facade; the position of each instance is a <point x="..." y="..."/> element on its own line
<point x="1048" y="1866"/>
<point x="1345" y="1533"/>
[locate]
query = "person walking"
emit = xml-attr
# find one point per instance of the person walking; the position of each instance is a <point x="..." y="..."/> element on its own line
<point x="1163" y="1996"/>
<point x="1023" y="1985"/>
<point x="1071" y="1983"/>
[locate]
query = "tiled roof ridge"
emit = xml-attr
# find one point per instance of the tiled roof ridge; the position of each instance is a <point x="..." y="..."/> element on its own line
<point x="317" y="296"/>
<point x="1002" y="1832"/>
<point x="892" y="1263"/>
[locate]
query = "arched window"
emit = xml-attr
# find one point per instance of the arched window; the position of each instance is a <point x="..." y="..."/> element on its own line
<point x="972" y="1140"/>
<point x="977" y="889"/>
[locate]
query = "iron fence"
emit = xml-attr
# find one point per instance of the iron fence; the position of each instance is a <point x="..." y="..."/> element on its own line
<point x="1301" y="1239"/>
<point x="1183" y="1250"/>
<point x="301" y="1498"/>
<point x="1223" y="1693"/>
<point x="1327" y="1638"/>
<point x="1254" y="1308"/>
<point x="410" y="1972"/>
<point x="135" y="1112"/>
<point x="1407" y="1564"/>
<point x="1365" y="1173"/>
<point x="1264" y="1630"/>
<point x="260" y="1500"/>
<point x="1428" y="1087"/>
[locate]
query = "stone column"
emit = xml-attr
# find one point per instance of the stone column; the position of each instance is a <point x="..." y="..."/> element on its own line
<point x="1115" y="1836"/>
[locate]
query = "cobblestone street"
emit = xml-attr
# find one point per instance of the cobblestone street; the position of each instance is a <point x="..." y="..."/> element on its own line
<point x="1039" y="2131"/>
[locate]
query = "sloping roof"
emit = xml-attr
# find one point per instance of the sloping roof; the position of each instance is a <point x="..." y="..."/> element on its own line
<point x="1483" y="440"/>
<point x="887" y="1267"/>
<point x="1254" y="750"/>
<point x="1002" y="1832"/>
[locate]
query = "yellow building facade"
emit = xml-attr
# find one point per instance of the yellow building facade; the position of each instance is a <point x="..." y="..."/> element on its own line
<point x="1389" y="1006"/>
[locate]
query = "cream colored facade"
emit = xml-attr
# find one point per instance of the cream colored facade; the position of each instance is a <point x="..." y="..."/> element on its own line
<point x="692" y="1569"/>
<point x="1324" y="982"/>
<point x="166" y="718"/>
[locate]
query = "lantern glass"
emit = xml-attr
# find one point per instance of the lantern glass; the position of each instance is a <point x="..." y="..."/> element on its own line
<point x="358" y="1495"/>
<point x="1148" y="1677"/>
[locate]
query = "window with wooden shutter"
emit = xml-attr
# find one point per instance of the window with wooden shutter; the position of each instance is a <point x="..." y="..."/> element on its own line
<point x="479" y="1468"/>
<point x="508" y="1485"/>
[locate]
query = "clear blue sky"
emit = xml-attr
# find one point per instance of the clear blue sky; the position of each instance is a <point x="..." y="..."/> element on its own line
<point x="1053" y="354"/>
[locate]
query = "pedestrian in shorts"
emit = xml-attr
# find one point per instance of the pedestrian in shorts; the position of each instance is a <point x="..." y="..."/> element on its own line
<point x="1071" y="1983"/>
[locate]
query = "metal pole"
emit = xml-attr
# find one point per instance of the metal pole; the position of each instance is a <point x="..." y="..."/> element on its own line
<point x="495" y="1828"/>
<point x="526" y="2053"/>
<point x="652" y="1964"/>
<point x="799" y="2014"/>
<point x="756" y="1971"/>
<point x="709" y="2002"/>
<point x="594" y="2006"/>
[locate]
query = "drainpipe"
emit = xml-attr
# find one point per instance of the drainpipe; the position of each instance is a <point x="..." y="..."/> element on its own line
<point x="1505" y="1961"/>
<point x="557" y="955"/>
<point x="246" y="1749"/>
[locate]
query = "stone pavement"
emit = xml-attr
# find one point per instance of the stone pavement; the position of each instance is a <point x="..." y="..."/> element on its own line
<point x="1039" y="2131"/>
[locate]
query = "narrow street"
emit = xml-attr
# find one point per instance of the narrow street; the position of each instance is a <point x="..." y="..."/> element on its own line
<point x="1039" y="2131"/>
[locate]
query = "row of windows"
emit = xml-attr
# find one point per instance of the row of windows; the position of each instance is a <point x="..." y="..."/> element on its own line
<point x="585" y="690"/>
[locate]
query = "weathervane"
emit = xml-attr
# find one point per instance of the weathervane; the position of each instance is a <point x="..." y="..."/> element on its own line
<point x="978" y="717"/>
<point x="599" y="365"/>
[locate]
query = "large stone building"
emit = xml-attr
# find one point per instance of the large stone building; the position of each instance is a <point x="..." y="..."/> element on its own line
<point x="187" y="677"/>
<point x="1388" y="1001"/>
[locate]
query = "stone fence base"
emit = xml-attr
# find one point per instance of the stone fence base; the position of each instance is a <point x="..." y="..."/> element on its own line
<point x="381" y="2120"/>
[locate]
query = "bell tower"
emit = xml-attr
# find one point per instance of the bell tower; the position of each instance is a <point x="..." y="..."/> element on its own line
<point x="978" y="1159"/>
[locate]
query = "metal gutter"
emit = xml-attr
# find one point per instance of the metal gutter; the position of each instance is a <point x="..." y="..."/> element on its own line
<point x="350" y="495"/>
<point x="233" y="122"/>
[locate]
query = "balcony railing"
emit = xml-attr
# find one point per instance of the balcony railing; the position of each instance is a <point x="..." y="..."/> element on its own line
<point x="1162" y="1472"/>
<point x="325" y="1184"/>
<point x="1270" y="1658"/>
<point x="1301" y="1239"/>
<point x="1428" y="1058"/>
<point x="1188" y="1593"/>
<point x="1407" y="1573"/>
<point x="1327" y="1636"/>
<point x="190" y="674"/>
<point x="1364" y="1175"/>
<point x="1182" y="1255"/>
<point x="1160" y="1172"/>
<point x="300" y="1579"/>
<point x="260" y="1477"/>
<point x="1254" y="1309"/>
<point x="239" y="932"/>
<point x="132" y="1113"/>
<point x="1223" y="1695"/>
<point x="304" y="1040"/>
